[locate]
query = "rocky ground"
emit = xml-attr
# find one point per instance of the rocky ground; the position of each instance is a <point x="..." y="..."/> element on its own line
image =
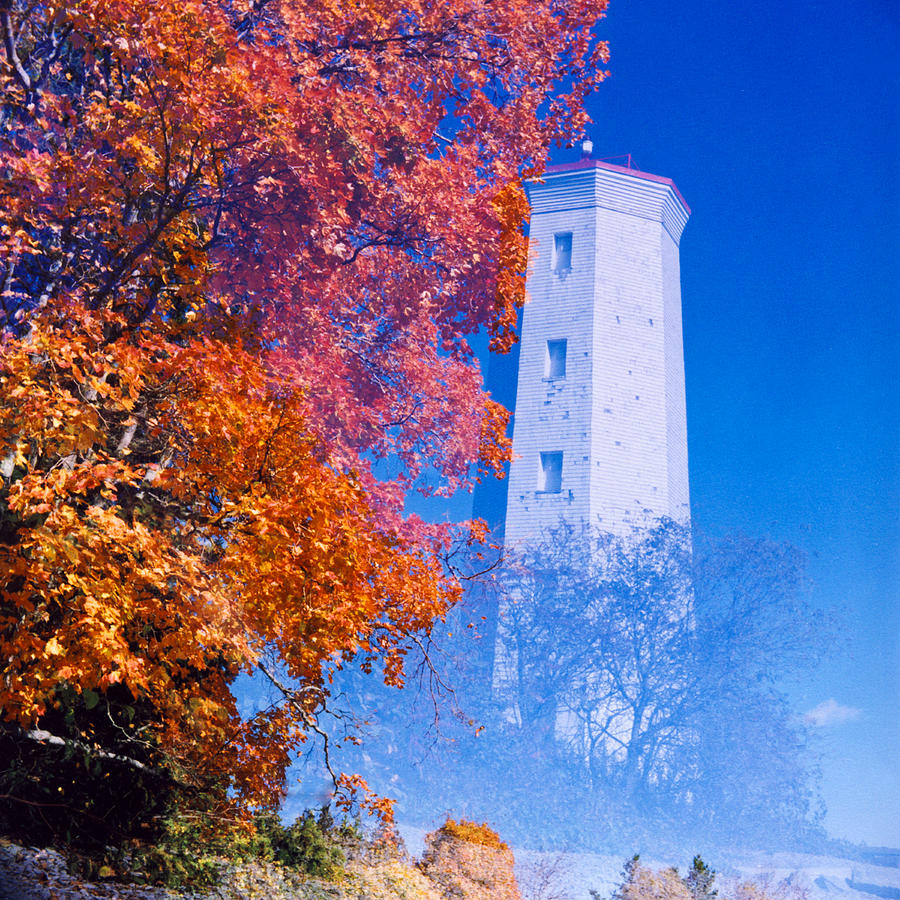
<point x="40" y="874"/>
<point x="32" y="874"/>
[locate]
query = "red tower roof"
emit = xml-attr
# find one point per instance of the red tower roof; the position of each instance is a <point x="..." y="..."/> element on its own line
<point x="625" y="170"/>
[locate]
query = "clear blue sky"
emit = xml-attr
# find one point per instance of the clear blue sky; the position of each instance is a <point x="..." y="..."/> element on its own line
<point x="780" y="124"/>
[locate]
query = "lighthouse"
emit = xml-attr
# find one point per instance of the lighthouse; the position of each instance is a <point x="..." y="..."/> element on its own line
<point x="600" y="431"/>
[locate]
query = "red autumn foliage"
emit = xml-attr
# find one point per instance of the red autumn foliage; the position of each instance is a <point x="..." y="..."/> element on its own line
<point x="242" y="245"/>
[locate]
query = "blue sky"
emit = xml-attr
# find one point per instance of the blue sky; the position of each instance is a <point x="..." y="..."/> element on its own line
<point x="780" y="124"/>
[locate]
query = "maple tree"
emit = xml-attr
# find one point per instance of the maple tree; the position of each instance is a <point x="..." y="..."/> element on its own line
<point x="242" y="243"/>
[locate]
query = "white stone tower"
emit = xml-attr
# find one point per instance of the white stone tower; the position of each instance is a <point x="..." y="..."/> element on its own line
<point x="600" y="432"/>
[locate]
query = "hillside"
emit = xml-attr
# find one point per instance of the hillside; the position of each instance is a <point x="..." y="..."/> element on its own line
<point x="444" y="865"/>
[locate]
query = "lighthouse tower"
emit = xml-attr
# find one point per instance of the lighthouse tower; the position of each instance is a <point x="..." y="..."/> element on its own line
<point x="600" y="433"/>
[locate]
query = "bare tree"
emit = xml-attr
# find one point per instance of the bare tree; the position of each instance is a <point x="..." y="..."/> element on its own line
<point x="656" y="666"/>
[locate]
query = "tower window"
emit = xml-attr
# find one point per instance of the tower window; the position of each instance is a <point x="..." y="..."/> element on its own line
<point x="562" y="252"/>
<point x="550" y="475"/>
<point x="555" y="366"/>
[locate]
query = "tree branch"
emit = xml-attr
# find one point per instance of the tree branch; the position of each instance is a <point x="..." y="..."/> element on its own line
<point x="9" y="42"/>
<point x="45" y="737"/>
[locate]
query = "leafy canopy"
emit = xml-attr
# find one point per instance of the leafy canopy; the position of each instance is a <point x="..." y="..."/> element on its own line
<point x="241" y="245"/>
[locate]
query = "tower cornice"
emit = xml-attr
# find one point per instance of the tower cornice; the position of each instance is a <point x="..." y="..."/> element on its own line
<point x="592" y="182"/>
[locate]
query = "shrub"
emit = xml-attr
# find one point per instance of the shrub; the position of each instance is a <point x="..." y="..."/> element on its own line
<point x="187" y="853"/>
<point x="309" y="845"/>
<point x="467" y="861"/>
<point x="642" y="883"/>
<point x="699" y="880"/>
<point x="472" y="833"/>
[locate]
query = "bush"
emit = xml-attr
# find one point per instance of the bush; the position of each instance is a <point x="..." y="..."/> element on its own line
<point x="175" y="859"/>
<point x="309" y="845"/>
<point x="472" y="833"/>
<point x="641" y="883"/>
<point x="191" y="847"/>
<point x="465" y="860"/>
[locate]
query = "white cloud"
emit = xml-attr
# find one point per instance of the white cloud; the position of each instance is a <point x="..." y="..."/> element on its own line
<point x="830" y="712"/>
